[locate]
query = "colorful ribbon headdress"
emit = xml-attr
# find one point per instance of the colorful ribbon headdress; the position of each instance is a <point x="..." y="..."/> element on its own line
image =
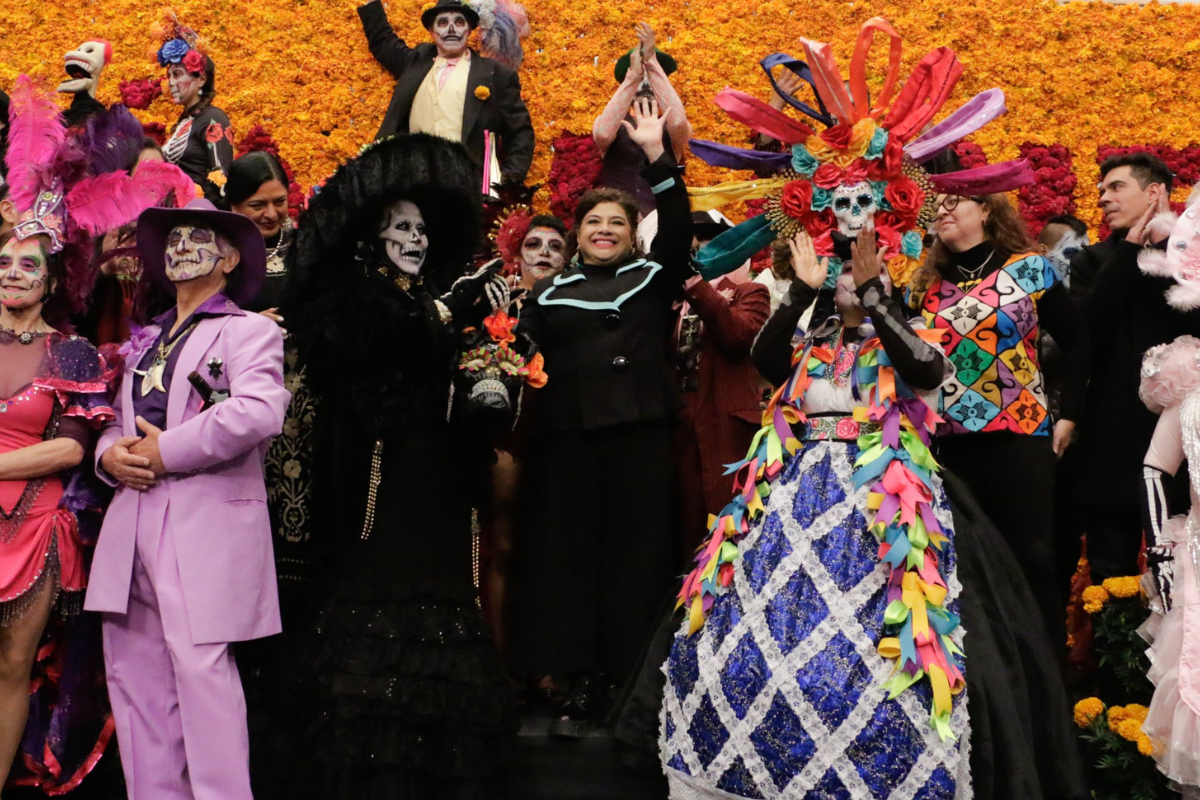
<point x="874" y="149"/>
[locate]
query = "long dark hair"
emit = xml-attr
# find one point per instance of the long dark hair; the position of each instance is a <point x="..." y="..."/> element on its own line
<point x="1003" y="227"/>
<point x="247" y="175"/>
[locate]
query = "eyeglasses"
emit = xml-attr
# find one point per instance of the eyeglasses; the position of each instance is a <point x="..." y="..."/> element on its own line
<point x="951" y="201"/>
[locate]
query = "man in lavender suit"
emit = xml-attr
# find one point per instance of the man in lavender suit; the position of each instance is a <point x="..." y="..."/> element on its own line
<point x="184" y="564"/>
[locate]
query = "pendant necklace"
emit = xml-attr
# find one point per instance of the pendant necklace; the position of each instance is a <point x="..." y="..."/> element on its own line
<point x="152" y="379"/>
<point x="972" y="275"/>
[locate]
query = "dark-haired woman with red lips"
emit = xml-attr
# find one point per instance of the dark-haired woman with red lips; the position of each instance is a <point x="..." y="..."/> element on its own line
<point x="596" y="558"/>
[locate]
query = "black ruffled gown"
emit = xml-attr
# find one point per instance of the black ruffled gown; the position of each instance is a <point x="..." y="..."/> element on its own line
<point x="401" y="693"/>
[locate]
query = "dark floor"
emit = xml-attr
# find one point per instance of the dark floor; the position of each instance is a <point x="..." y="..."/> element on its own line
<point x="592" y="766"/>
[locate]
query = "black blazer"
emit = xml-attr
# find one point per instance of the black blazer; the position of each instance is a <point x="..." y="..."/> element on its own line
<point x="503" y="112"/>
<point x="605" y="331"/>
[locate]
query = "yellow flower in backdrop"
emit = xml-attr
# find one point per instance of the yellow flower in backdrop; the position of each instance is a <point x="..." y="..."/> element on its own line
<point x="1087" y="710"/>
<point x="1094" y="598"/>
<point x="1122" y="587"/>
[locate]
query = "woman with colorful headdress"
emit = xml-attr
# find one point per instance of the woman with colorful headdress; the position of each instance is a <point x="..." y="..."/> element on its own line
<point x="1171" y="387"/>
<point x="53" y="395"/>
<point x="201" y="143"/>
<point x="823" y="651"/>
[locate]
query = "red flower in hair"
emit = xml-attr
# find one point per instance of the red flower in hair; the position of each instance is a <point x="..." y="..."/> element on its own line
<point x="857" y="171"/>
<point x="817" y="224"/>
<point x="837" y="137"/>
<point x="193" y="62"/>
<point x="828" y="176"/>
<point x="797" y="199"/>
<point x="889" y="163"/>
<point x="905" y="196"/>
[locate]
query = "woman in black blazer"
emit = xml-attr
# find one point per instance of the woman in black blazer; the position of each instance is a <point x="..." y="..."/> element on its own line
<point x="594" y="556"/>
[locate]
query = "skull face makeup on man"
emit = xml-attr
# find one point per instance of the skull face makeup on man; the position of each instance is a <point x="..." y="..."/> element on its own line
<point x="404" y="239"/>
<point x="194" y="251"/>
<point x="854" y="207"/>
<point x="24" y="273"/>
<point x="543" y="252"/>
<point x="450" y="30"/>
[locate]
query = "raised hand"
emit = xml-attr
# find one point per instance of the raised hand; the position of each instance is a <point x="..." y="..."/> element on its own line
<point x="805" y="262"/>
<point x="789" y="83"/>
<point x="646" y="131"/>
<point x="866" y="261"/>
<point x="645" y="36"/>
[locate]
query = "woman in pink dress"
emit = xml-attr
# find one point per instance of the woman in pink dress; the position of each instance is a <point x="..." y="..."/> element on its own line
<point x="52" y="393"/>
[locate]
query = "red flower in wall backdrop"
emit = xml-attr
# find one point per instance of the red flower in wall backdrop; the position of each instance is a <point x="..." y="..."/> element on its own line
<point x="257" y="139"/>
<point x="1054" y="191"/>
<point x="1184" y="165"/>
<point x="575" y="169"/>
<point x="140" y="93"/>
<point x="156" y="131"/>
<point x="970" y="155"/>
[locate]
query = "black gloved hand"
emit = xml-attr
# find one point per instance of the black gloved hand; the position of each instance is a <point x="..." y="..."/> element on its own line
<point x="467" y="291"/>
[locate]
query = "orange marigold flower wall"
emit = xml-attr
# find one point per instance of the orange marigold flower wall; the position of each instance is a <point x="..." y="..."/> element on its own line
<point x="1079" y="74"/>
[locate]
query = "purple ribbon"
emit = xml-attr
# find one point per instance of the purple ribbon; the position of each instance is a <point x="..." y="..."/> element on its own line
<point x="722" y="155"/>
<point x="990" y="179"/>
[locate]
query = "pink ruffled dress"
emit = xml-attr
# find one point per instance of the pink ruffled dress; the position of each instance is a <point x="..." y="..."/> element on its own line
<point x="1171" y="382"/>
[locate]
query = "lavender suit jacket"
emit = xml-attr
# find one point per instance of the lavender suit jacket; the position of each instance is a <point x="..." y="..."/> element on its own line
<point x="213" y="499"/>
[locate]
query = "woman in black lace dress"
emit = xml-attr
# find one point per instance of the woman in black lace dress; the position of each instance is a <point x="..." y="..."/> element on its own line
<point x="403" y="691"/>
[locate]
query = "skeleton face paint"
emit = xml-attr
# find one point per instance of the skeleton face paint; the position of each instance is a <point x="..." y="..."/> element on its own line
<point x="192" y="252"/>
<point x="24" y="274"/>
<point x="404" y="238"/>
<point x="542" y="253"/>
<point x="854" y="207"/>
<point x="185" y="87"/>
<point x="1065" y="250"/>
<point x="83" y="67"/>
<point x="450" y="30"/>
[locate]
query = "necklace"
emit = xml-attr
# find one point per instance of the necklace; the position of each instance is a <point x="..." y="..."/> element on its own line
<point x="26" y="337"/>
<point x="973" y="274"/>
<point x="152" y="379"/>
<point x="280" y="246"/>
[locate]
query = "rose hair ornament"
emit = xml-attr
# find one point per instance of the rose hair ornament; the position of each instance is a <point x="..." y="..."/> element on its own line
<point x="864" y="167"/>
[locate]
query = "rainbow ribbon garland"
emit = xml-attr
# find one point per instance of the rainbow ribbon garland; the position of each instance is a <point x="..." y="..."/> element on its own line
<point x="896" y="463"/>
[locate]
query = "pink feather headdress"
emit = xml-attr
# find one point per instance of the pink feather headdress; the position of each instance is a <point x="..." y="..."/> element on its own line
<point x="59" y="195"/>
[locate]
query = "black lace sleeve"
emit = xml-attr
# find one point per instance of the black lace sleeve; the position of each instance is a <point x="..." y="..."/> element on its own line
<point x="921" y="365"/>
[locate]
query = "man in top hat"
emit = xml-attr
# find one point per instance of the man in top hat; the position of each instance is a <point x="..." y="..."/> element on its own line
<point x="449" y="90"/>
<point x="184" y="564"/>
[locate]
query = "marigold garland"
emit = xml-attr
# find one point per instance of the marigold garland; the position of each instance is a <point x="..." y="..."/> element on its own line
<point x="1081" y="75"/>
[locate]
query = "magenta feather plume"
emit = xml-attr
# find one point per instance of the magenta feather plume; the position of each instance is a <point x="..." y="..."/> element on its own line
<point x="35" y="134"/>
<point x="109" y="201"/>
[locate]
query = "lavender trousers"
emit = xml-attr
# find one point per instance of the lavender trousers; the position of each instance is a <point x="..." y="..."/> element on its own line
<point x="179" y="709"/>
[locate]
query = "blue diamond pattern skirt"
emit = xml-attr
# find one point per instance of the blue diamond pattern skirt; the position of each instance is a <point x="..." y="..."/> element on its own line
<point x="780" y="694"/>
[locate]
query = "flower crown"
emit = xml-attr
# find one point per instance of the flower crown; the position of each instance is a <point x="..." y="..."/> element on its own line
<point x="180" y="44"/>
<point x="865" y="166"/>
<point x="498" y="354"/>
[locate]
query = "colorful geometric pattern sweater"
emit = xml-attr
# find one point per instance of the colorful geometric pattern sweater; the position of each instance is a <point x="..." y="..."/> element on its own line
<point x="990" y="334"/>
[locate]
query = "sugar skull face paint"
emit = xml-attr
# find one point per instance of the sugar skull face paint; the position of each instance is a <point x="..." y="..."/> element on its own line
<point x="184" y="86"/>
<point x="192" y="252"/>
<point x="543" y="252"/>
<point x="24" y="273"/>
<point x="404" y="237"/>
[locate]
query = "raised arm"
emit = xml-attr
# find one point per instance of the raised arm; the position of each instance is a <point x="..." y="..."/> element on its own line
<point x="673" y="244"/>
<point x="772" y="350"/>
<point x="678" y="127"/>
<point x="517" y="138"/>
<point x="604" y="129"/>
<point x="733" y="323"/>
<point x="388" y="48"/>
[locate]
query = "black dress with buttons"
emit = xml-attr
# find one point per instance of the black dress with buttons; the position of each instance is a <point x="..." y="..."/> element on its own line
<point x="594" y="557"/>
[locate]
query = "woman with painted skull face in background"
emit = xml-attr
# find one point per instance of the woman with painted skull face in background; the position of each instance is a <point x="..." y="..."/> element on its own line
<point x="984" y="285"/>
<point x="201" y="144"/>
<point x="400" y="693"/>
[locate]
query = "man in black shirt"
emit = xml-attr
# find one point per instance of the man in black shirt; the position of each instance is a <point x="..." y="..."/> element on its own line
<point x="1126" y="314"/>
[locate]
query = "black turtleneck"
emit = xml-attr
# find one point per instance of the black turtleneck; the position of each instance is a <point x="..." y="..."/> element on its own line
<point x="976" y="263"/>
